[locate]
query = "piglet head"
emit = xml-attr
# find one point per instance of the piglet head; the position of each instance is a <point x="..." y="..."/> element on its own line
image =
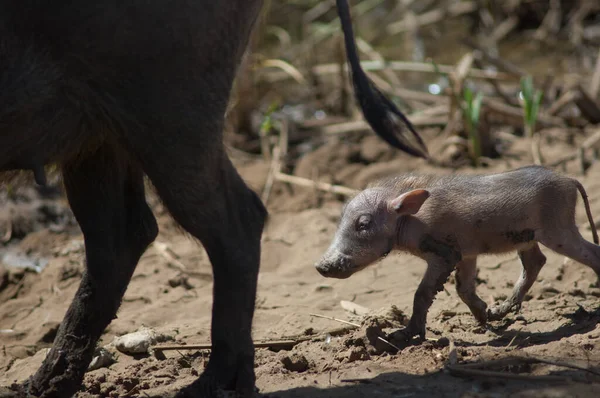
<point x="368" y="230"/>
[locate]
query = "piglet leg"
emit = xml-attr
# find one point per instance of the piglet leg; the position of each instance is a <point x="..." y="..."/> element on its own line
<point x="466" y="272"/>
<point x="570" y="243"/>
<point x="437" y="273"/>
<point x="532" y="260"/>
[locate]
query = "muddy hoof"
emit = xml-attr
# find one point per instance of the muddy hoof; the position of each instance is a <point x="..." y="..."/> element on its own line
<point x="498" y="312"/>
<point x="404" y="337"/>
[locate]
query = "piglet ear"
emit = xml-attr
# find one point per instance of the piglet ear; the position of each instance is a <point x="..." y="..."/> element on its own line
<point x="409" y="202"/>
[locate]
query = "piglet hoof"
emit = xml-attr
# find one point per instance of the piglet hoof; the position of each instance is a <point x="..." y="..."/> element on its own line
<point x="404" y="336"/>
<point x="498" y="312"/>
<point x="495" y="314"/>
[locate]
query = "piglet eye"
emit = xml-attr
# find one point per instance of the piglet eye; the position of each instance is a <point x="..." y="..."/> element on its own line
<point x="363" y="223"/>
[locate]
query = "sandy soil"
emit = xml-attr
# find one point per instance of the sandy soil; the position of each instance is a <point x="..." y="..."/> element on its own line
<point x="559" y="320"/>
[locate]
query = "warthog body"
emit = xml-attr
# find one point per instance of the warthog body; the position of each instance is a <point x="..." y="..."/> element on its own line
<point x="450" y="220"/>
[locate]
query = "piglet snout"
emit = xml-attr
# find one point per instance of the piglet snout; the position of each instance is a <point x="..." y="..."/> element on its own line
<point x="335" y="265"/>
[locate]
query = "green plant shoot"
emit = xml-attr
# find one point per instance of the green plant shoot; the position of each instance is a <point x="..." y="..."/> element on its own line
<point x="531" y="104"/>
<point x="472" y="111"/>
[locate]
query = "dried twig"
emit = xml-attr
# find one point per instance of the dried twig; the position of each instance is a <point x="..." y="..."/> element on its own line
<point x="354" y="308"/>
<point x="433" y="16"/>
<point x="518" y="360"/>
<point x="457" y="78"/>
<point x="172" y="258"/>
<point x="208" y="346"/>
<point x="279" y="152"/>
<point x="274" y="168"/>
<point x="535" y="149"/>
<point x="501" y="64"/>
<point x="591" y="142"/>
<point x="496" y="86"/>
<point x="8" y="233"/>
<point x="323" y="186"/>
<point x="399" y="66"/>
<point x="514" y="115"/>
<point x="317" y="11"/>
<point x="335" y="319"/>
<point x="550" y="23"/>
<point x="371" y="53"/>
<point x="587" y="105"/>
<point x="420" y="119"/>
<point x="562" y="364"/>
<point x="286" y="343"/>
<point x="595" y="85"/>
<point x="504" y="28"/>
<point x="289" y="69"/>
<point x="388" y="343"/>
<point x="562" y="101"/>
<point x="459" y="370"/>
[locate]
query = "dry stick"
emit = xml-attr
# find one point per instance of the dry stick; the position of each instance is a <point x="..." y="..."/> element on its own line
<point x="420" y="119"/>
<point x="317" y="11"/>
<point x="169" y="255"/>
<point x="261" y="344"/>
<point x="335" y="319"/>
<point x="458" y="370"/>
<point x="284" y="138"/>
<point x="234" y="152"/>
<point x="587" y="105"/>
<point x="323" y="186"/>
<point x="419" y="95"/>
<point x="373" y="54"/>
<point x="561" y="102"/>
<point x="398" y="66"/>
<point x="498" y="62"/>
<point x="330" y="28"/>
<point x="279" y="152"/>
<point x="457" y="78"/>
<point x="550" y="23"/>
<point x="516" y="360"/>
<point x="347" y="106"/>
<point x="8" y="233"/>
<point x="589" y="143"/>
<point x="275" y="167"/>
<point x="504" y="28"/>
<point x="354" y="308"/>
<point x="495" y="85"/>
<point x="515" y="115"/>
<point x="355" y="325"/>
<point x="536" y="151"/>
<point x="512" y="340"/>
<point x="208" y="346"/>
<point x="430" y="17"/>
<point x="287" y="68"/>
<point x="388" y="343"/>
<point x="575" y="23"/>
<point x="561" y="364"/>
<point x="595" y="85"/>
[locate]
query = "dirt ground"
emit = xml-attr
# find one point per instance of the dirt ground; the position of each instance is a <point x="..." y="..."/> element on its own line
<point x="558" y="321"/>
